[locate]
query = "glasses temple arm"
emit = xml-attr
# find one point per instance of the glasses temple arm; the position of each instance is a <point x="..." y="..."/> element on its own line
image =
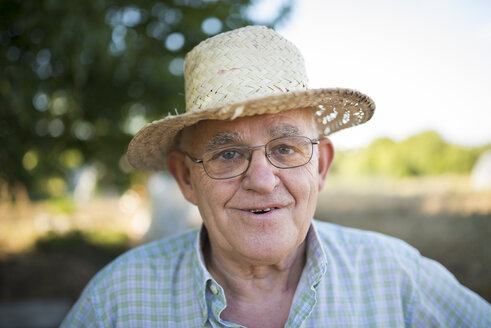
<point x="199" y="161"/>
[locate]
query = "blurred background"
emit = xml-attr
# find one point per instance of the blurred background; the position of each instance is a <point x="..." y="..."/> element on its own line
<point x="79" y="78"/>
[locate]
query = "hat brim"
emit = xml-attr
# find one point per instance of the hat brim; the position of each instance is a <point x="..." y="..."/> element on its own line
<point x="336" y="109"/>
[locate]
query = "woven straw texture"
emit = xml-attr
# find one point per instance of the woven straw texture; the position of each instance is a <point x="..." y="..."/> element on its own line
<point x="248" y="71"/>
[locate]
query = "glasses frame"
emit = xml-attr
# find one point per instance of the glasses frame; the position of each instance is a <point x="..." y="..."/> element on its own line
<point x="250" y="150"/>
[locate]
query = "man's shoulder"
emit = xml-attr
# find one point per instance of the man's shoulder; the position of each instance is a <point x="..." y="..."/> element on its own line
<point x="161" y="249"/>
<point x="380" y="263"/>
<point x="352" y="240"/>
<point x="148" y="279"/>
<point x="156" y="259"/>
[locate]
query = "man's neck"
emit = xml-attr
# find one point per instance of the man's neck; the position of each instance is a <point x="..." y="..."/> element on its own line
<point x="257" y="293"/>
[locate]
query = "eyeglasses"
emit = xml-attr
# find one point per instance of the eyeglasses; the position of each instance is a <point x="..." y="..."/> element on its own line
<point x="232" y="161"/>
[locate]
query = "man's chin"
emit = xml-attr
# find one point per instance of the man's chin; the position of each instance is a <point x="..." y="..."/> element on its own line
<point x="268" y="250"/>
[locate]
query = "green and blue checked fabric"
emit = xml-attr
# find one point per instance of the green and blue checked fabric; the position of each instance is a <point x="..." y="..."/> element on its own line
<point x="352" y="278"/>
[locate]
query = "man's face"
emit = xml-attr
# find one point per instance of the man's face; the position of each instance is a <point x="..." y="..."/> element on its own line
<point x="226" y="206"/>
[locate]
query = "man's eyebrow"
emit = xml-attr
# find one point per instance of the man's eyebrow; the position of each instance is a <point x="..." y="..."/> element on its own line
<point x="284" y="131"/>
<point x="227" y="138"/>
<point x="221" y="139"/>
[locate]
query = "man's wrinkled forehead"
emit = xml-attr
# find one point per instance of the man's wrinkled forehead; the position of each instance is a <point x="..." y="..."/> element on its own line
<point x="223" y="138"/>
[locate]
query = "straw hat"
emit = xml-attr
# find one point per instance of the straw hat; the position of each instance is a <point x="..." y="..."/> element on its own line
<point x="247" y="71"/>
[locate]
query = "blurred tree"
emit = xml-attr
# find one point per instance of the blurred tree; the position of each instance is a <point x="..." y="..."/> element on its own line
<point x="422" y="153"/>
<point x="79" y="78"/>
<point x="425" y="153"/>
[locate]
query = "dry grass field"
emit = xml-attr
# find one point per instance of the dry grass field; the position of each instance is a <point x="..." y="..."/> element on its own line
<point x="442" y="217"/>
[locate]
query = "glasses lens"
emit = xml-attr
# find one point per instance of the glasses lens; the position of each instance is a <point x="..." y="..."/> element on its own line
<point x="226" y="162"/>
<point x="289" y="152"/>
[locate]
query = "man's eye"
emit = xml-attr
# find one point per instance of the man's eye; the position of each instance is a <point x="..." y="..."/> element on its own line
<point x="284" y="150"/>
<point x="227" y="155"/>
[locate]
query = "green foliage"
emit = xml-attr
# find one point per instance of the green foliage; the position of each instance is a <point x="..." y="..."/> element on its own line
<point x="75" y="240"/>
<point x="423" y="154"/>
<point x="79" y="78"/>
<point x="61" y="205"/>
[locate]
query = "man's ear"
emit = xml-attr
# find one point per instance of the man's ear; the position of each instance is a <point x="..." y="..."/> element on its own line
<point x="326" y="155"/>
<point x="177" y="166"/>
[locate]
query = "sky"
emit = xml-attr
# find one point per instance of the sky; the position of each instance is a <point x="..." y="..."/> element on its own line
<point x="425" y="63"/>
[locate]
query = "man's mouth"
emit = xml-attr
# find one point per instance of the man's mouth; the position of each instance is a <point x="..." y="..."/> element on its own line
<point x="262" y="211"/>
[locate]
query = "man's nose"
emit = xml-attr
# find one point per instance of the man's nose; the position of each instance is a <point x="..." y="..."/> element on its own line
<point x="261" y="175"/>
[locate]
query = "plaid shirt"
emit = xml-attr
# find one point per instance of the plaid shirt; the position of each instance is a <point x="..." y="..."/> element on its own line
<point x="352" y="278"/>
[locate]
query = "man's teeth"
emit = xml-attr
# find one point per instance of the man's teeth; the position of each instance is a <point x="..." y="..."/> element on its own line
<point x="261" y="211"/>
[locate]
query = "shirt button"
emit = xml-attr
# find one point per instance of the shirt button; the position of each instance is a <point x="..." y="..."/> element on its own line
<point x="213" y="289"/>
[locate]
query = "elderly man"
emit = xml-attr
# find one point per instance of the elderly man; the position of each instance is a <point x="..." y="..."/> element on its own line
<point x="251" y="153"/>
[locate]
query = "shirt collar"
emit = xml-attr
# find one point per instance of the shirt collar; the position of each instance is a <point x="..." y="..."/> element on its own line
<point x="316" y="264"/>
<point x="201" y="274"/>
<point x="314" y="270"/>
